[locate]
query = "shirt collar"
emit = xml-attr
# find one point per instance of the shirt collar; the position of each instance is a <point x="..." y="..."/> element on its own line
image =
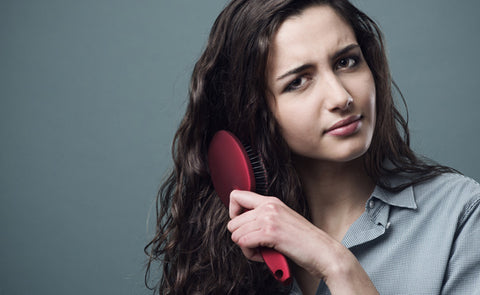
<point x="404" y="198"/>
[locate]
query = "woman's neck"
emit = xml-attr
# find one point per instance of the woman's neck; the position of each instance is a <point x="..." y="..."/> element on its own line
<point x="336" y="192"/>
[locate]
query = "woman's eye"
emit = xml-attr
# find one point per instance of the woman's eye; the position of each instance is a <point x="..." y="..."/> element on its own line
<point x="347" y="62"/>
<point x="295" y="84"/>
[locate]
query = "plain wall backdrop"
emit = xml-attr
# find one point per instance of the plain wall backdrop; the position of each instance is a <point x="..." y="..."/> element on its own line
<point x="91" y="93"/>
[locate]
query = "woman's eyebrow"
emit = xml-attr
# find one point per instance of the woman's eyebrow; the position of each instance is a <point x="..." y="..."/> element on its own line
<point x="308" y="66"/>
<point x="296" y="71"/>
<point x="344" y="50"/>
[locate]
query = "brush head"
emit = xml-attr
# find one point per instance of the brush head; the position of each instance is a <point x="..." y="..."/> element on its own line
<point x="230" y="166"/>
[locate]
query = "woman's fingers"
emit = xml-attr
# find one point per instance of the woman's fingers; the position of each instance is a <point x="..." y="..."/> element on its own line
<point x="240" y="201"/>
<point x="251" y="232"/>
<point x="244" y="225"/>
<point x="259" y="225"/>
<point x="239" y="221"/>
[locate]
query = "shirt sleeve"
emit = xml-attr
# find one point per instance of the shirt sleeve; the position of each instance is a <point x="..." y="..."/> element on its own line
<point x="463" y="271"/>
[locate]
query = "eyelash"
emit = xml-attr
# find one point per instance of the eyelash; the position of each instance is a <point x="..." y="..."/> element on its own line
<point x="354" y="59"/>
<point x="290" y="86"/>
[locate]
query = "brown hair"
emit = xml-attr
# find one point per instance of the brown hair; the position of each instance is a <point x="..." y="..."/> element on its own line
<point x="228" y="91"/>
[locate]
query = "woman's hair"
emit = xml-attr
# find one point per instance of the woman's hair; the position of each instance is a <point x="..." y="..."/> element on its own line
<point x="228" y="90"/>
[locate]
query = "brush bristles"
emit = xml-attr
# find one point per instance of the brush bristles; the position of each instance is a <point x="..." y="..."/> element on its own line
<point x="259" y="172"/>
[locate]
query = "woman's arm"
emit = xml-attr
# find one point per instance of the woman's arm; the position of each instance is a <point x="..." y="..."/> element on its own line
<point x="270" y="223"/>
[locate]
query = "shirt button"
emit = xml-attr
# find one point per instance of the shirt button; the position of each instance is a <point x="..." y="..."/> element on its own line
<point x="387" y="226"/>
<point x="371" y="204"/>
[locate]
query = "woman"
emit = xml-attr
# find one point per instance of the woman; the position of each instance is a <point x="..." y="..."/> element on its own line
<point x="307" y="84"/>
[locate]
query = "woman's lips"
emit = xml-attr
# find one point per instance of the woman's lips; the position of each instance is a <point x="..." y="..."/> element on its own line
<point x="345" y="127"/>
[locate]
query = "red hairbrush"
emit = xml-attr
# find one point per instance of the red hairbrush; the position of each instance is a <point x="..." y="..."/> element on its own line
<point x="233" y="166"/>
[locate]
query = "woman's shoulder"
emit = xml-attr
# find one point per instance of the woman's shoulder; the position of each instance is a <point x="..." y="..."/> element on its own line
<point x="451" y="183"/>
<point x="452" y="191"/>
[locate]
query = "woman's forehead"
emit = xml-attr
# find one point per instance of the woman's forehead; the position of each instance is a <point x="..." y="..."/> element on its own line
<point x="317" y="31"/>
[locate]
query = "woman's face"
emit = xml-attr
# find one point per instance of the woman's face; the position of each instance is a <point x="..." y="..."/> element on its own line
<point x="323" y="90"/>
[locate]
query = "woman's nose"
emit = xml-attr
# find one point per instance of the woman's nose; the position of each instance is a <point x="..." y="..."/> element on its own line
<point x="336" y="97"/>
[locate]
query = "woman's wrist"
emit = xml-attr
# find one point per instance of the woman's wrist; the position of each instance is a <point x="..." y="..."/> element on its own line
<point x="346" y="275"/>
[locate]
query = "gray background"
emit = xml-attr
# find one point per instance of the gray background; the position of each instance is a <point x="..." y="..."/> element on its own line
<point x="91" y="93"/>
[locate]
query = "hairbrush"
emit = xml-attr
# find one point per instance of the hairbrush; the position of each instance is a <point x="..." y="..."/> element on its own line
<point x="236" y="166"/>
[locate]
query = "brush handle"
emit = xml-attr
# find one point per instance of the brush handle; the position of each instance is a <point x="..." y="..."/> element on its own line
<point x="278" y="264"/>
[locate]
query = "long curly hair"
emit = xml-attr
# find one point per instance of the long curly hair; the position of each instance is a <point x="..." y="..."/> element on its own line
<point x="228" y="90"/>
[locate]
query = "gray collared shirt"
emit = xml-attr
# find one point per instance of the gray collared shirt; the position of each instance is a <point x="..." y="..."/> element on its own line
<point x="422" y="240"/>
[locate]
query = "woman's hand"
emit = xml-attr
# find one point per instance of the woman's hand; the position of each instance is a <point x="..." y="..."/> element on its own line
<point x="266" y="221"/>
